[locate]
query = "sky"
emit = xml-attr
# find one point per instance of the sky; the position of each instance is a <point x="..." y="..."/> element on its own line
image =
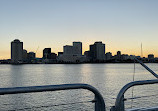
<point x="121" y="24"/>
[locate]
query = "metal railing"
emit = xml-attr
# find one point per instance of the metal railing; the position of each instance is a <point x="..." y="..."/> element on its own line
<point x="99" y="101"/>
<point x="119" y="104"/>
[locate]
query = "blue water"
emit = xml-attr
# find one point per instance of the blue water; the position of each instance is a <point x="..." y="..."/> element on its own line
<point x="107" y="78"/>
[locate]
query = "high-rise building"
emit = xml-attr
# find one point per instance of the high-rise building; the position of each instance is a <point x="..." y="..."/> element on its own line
<point x="16" y="51"/>
<point x="72" y="53"/>
<point x="77" y="48"/>
<point x="97" y="51"/>
<point x="47" y="53"/>
<point x="68" y="50"/>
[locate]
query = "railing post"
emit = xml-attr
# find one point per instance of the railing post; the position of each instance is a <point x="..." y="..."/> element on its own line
<point x="122" y="105"/>
<point x="119" y="103"/>
<point x="98" y="104"/>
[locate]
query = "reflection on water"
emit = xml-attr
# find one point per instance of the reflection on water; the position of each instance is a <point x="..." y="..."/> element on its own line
<point x="107" y="78"/>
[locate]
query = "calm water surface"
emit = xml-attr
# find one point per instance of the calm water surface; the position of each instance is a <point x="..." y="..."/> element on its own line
<point x="107" y="78"/>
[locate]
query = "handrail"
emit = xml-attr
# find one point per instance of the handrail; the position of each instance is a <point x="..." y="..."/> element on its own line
<point x="119" y="104"/>
<point x="146" y="67"/>
<point x="99" y="101"/>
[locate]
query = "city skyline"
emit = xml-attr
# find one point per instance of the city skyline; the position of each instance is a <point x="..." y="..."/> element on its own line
<point x="71" y="54"/>
<point x="74" y="49"/>
<point x="121" y="25"/>
<point x="83" y="50"/>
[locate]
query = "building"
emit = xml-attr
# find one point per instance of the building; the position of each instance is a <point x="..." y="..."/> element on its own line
<point x="47" y="53"/>
<point x="150" y="56"/>
<point x="60" y="53"/>
<point x="68" y="50"/>
<point x="25" y="60"/>
<point x="87" y="53"/>
<point x="72" y="53"/>
<point x="118" y="53"/>
<point x="97" y="51"/>
<point x="16" y="51"/>
<point x="53" y="56"/>
<point x="31" y="55"/>
<point x="118" y="56"/>
<point x="77" y="48"/>
<point x="24" y="54"/>
<point x="125" y="57"/>
<point x="108" y="56"/>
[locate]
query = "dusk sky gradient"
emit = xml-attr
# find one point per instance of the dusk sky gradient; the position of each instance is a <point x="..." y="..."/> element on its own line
<point x="120" y="24"/>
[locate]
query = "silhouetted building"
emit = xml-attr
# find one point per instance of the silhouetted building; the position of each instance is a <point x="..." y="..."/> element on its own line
<point x="47" y="53"/>
<point x="72" y="54"/>
<point x="24" y="56"/>
<point x="108" y="56"/>
<point x="31" y="55"/>
<point x="60" y="53"/>
<point x="125" y="57"/>
<point x="53" y="56"/>
<point x="87" y="53"/>
<point x="16" y="51"/>
<point x="68" y="50"/>
<point x="97" y="51"/>
<point x="118" y="56"/>
<point x="77" y="48"/>
<point x="150" y="56"/>
<point x="118" y="53"/>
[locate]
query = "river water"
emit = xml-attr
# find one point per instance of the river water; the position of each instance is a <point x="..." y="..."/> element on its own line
<point x="107" y="78"/>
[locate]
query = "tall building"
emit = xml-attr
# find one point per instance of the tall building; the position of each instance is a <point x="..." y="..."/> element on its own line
<point x="97" y="51"/>
<point x="16" y="51"/>
<point x="77" y="48"/>
<point x="68" y="50"/>
<point x="72" y="53"/>
<point x="47" y="53"/>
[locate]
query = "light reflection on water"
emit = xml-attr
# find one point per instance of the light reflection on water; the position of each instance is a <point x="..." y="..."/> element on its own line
<point x="107" y="78"/>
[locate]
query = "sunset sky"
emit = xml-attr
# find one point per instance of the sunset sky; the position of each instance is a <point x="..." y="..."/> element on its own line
<point x="120" y="24"/>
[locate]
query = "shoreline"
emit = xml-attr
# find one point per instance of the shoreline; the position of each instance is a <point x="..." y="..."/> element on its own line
<point x="79" y="63"/>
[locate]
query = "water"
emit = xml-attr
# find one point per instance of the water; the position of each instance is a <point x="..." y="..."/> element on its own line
<point x="107" y="78"/>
